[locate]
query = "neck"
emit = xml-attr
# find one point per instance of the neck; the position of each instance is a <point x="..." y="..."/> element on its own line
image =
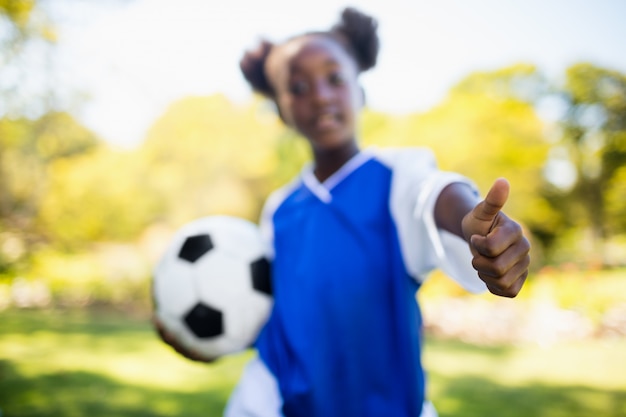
<point x="328" y="161"/>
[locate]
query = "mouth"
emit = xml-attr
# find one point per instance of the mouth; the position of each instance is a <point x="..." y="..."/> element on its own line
<point x="327" y="121"/>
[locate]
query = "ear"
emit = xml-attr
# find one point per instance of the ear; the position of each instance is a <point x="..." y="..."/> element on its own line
<point x="280" y="113"/>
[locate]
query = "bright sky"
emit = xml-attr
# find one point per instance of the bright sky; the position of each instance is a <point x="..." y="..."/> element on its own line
<point x="136" y="57"/>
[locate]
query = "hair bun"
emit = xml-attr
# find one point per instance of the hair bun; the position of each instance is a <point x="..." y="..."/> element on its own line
<point x="252" y="66"/>
<point x="360" y="30"/>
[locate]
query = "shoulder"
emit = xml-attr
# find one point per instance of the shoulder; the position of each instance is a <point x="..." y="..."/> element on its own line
<point x="278" y="196"/>
<point x="410" y="160"/>
<point x="272" y="204"/>
<point x="416" y="180"/>
<point x="410" y="166"/>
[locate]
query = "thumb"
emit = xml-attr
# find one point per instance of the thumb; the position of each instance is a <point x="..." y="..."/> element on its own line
<point x="481" y="219"/>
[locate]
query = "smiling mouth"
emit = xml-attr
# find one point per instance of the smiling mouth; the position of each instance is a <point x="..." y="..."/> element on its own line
<point x="327" y="121"/>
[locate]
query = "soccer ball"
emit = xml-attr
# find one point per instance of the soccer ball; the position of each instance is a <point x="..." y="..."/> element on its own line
<point x="212" y="288"/>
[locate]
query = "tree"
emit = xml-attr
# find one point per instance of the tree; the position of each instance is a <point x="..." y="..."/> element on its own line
<point x="98" y="196"/>
<point x="27" y="149"/>
<point x="594" y="141"/>
<point x="206" y="155"/>
<point x="26" y="39"/>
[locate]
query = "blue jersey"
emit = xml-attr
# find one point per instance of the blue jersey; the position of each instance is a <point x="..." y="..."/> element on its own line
<point x="344" y="338"/>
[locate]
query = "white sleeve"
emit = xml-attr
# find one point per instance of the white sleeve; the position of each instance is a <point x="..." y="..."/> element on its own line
<point x="415" y="187"/>
<point x="267" y="227"/>
<point x="266" y="223"/>
<point x="445" y="250"/>
<point x="256" y="394"/>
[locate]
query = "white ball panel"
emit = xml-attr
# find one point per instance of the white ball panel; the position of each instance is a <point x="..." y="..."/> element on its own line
<point x="221" y="280"/>
<point x="174" y="287"/>
<point x="244" y="323"/>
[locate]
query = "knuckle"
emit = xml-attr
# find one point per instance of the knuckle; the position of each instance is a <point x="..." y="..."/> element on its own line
<point x="526" y="245"/>
<point x="502" y="291"/>
<point x="488" y="249"/>
<point x="517" y="228"/>
<point x="499" y="268"/>
<point x="476" y="263"/>
<point x="508" y="289"/>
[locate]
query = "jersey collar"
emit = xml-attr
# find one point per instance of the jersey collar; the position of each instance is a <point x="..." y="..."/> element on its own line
<point x="322" y="189"/>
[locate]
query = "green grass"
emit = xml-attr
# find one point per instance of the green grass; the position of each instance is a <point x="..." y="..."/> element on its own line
<point x="55" y="363"/>
<point x="569" y="379"/>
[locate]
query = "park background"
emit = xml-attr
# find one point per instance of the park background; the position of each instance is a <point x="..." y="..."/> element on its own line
<point x="101" y="162"/>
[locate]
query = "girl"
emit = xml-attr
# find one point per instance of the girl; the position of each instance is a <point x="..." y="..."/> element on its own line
<point x="353" y="237"/>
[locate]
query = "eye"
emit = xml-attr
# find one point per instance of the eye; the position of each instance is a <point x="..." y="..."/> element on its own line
<point x="298" y="88"/>
<point x="336" y="78"/>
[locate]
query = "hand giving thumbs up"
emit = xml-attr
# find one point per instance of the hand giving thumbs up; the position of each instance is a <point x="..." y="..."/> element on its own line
<point x="500" y="250"/>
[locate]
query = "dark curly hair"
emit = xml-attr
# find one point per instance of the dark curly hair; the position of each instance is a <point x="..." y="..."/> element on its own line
<point x="356" y="32"/>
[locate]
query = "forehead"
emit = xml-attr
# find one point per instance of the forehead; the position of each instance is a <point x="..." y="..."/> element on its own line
<point x="304" y="54"/>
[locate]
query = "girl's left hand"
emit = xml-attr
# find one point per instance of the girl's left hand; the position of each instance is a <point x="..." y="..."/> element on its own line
<point x="169" y="339"/>
<point x="500" y="250"/>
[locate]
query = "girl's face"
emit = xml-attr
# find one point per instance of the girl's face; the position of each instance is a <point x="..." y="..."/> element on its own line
<point x="316" y="87"/>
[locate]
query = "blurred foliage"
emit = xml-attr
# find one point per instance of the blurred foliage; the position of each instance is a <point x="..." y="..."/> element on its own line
<point x="206" y="155"/>
<point x="593" y="141"/>
<point x="17" y="11"/>
<point x="96" y="197"/>
<point x="28" y="151"/>
<point x="27" y="35"/>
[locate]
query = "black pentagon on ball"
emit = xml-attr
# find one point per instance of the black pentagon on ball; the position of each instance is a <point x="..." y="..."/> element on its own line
<point x="261" y="280"/>
<point x="204" y="321"/>
<point x="194" y="247"/>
